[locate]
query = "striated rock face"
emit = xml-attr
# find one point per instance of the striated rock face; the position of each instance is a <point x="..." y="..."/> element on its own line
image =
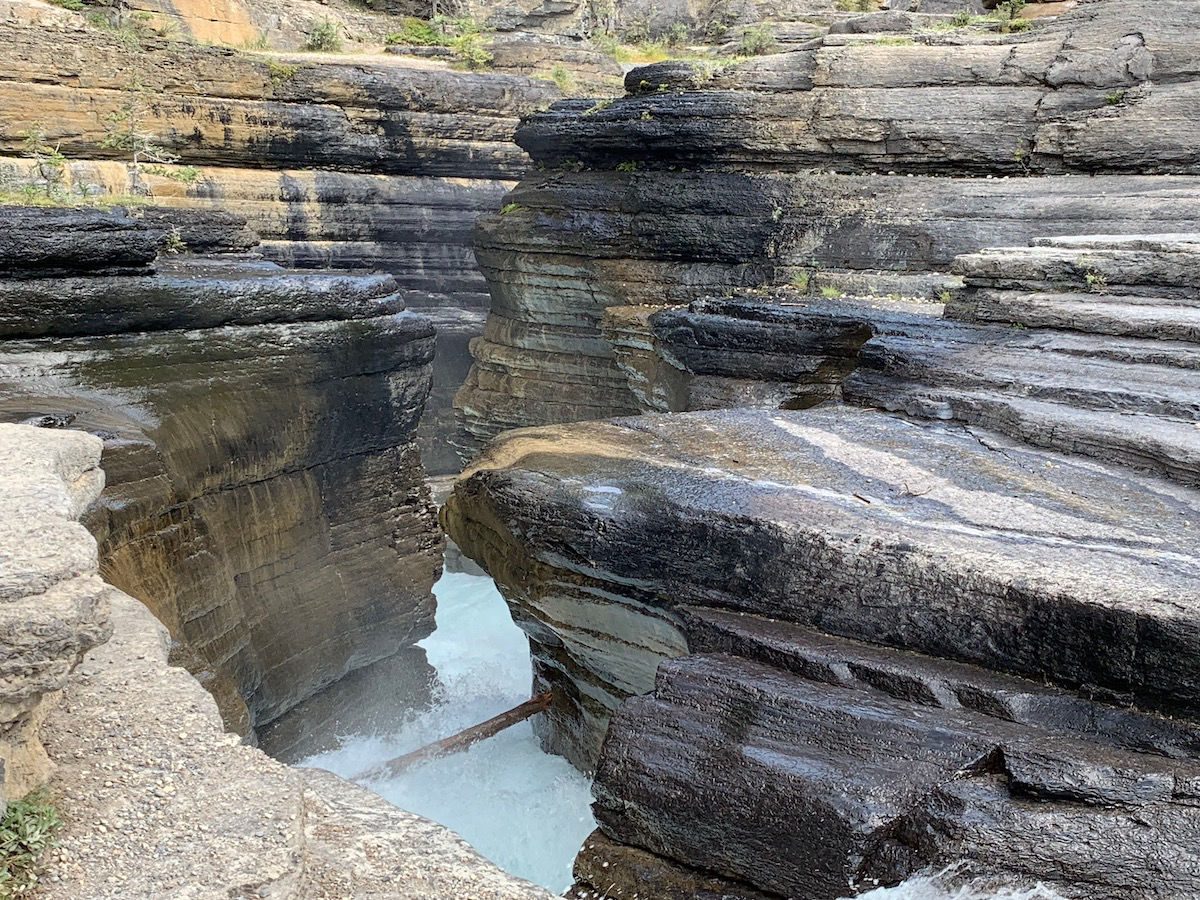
<point x="722" y="194"/>
<point x="735" y="533"/>
<point x="138" y="746"/>
<point x="265" y="494"/>
<point x="53" y="605"/>
<point x="363" y="163"/>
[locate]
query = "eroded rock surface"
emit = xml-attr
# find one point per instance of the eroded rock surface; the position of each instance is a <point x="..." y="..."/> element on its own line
<point x="724" y="537"/>
<point x="822" y="167"/>
<point x="265" y="495"/>
<point x="362" y="163"/>
<point x="53" y="605"/>
<point x="156" y="797"/>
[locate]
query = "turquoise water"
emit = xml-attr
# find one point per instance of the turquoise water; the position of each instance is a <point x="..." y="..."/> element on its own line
<point x="525" y="810"/>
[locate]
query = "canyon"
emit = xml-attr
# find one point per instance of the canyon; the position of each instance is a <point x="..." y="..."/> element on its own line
<point x="827" y="402"/>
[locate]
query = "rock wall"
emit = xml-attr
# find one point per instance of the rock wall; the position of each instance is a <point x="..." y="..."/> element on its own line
<point x="812" y="651"/>
<point x="697" y="183"/>
<point x="265" y="494"/>
<point x="54" y="606"/>
<point x="365" y="163"/>
<point x="152" y="791"/>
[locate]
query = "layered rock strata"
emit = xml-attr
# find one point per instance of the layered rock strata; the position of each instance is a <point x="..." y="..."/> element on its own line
<point x="265" y="495"/>
<point x="715" y="187"/>
<point x="956" y="544"/>
<point x="154" y="795"/>
<point x="363" y="163"/>
<point x="53" y="605"/>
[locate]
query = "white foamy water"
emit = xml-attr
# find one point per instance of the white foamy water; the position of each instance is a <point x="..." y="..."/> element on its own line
<point x="524" y="809"/>
<point x="939" y="887"/>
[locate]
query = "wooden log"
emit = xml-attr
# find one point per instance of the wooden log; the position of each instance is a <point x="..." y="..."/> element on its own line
<point x="464" y="739"/>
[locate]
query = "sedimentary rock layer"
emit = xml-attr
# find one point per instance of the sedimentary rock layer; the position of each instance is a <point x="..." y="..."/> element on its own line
<point x="365" y="164"/>
<point x="265" y="497"/>
<point x="152" y="792"/>
<point x="800" y="166"/>
<point x="836" y="519"/>
<point x="53" y="605"/>
<point x="573" y="245"/>
<point x="222" y="107"/>
<point x="886" y="773"/>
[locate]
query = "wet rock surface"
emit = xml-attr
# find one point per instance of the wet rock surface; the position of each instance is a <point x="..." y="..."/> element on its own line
<point x="265" y="495"/>
<point x="836" y="526"/>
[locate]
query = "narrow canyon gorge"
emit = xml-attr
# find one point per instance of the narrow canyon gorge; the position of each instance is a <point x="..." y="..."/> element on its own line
<point x="817" y="381"/>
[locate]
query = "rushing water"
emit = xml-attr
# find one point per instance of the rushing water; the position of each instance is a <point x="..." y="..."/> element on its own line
<point x="527" y="811"/>
<point x="524" y="809"/>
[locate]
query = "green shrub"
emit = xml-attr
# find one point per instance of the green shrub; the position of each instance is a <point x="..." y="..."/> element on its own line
<point x="756" y="41"/>
<point x="416" y="33"/>
<point x="470" y="51"/>
<point x="73" y="5"/>
<point x="829" y="292"/>
<point x="676" y="35"/>
<point x="510" y="208"/>
<point x="564" y="79"/>
<point x="26" y="831"/>
<point x="628" y="166"/>
<point x="862" y="6"/>
<point x="281" y="73"/>
<point x="325" y="37"/>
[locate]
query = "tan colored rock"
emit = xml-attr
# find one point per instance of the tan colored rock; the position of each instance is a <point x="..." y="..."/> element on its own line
<point x="52" y="604"/>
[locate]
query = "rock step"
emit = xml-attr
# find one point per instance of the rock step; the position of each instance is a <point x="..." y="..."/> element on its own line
<point x="875" y="788"/>
<point x="1171" y="270"/>
<point x="1124" y="316"/>
<point x="1017" y="369"/>
<point x="1166" y="447"/>
<point x="39" y="242"/>
<point x="928" y="681"/>
<point x="189" y="293"/>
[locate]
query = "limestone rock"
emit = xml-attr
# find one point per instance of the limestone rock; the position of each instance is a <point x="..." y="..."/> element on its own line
<point x="549" y="355"/>
<point x="837" y="521"/>
<point x="49" y="242"/>
<point x="53" y="606"/>
<point x="265" y="496"/>
<point x="156" y="795"/>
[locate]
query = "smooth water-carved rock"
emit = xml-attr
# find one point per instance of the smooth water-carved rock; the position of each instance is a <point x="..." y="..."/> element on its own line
<point x="762" y="546"/>
<point x="836" y="519"/>
<point x="868" y="786"/>
<point x="265" y="494"/>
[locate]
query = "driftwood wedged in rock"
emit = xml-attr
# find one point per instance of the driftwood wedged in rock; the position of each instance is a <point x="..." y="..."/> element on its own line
<point x="462" y="740"/>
